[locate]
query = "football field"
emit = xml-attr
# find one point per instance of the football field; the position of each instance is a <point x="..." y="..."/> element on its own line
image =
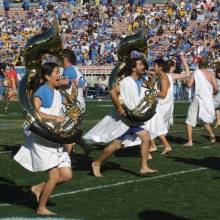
<point x="187" y="185"/>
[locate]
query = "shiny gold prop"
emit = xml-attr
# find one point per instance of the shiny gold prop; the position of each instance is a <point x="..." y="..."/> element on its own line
<point x="147" y="107"/>
<point x="48" y="42"/>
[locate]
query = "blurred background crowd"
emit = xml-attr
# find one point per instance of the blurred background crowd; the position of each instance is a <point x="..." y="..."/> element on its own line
<point x="93" y="30"/>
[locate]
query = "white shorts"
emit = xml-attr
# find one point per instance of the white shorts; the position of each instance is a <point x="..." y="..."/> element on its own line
<point x="192" y="114"/>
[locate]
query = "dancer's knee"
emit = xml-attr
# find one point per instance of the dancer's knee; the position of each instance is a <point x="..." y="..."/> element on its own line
<point x="65" y="174"/>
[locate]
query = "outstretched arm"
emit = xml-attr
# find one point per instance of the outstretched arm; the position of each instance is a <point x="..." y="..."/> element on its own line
<point x="184" y="75"/>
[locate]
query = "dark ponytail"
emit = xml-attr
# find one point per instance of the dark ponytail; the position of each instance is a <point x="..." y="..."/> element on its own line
<point x="165" y="65"/>
<point x="47" y="69"/>
<point x="39" y="79"/>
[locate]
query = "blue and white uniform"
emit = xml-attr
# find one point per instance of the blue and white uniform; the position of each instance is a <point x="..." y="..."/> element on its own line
<point x="37" y="153"/>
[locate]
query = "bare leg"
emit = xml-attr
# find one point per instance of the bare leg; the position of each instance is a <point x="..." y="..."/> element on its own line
<point x="153" y="146"/>
<point x="65" y="174"/>
<point x="7" y="100"/>
<point x="217" y="119"/>
<point x="211" y="134"/>
<point x="47" y="190"/>
<point x="150" y="156"/>
<point x="189" y="136"/>
<point x="145" y="146"/>
<point x="167" y="147"/>
<point x="106" y="153"/>
<point x="37" y="189"/>
<point x="9" y="95"/>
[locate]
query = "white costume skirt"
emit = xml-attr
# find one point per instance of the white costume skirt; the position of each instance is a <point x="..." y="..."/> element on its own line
<point x="107" y="130"/>
<point x="35" y="155"/>
<point x="111" y="128"/>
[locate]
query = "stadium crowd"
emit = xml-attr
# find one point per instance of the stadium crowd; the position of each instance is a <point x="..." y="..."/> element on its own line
<point x="93" y="32"/>
<point x="90" y="31"/>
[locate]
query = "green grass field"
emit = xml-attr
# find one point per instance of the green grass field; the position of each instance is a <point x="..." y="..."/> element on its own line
<point x="186" y="187"/>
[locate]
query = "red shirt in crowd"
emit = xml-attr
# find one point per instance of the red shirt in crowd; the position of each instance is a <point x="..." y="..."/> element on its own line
<point x="11" y="76"/>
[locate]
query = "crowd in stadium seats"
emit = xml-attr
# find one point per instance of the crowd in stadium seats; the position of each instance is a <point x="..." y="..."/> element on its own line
<point x="184" y="26"/>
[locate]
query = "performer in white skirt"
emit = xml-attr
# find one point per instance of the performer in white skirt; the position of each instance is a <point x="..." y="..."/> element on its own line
<point x="113" y="128"/>
<point x="202" y="105"/>
<point x="38" y="154"/>
<point x="168" y="115"/>
<point x="217" y="96"/>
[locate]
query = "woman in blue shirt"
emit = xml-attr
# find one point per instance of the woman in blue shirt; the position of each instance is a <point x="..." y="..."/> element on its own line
<point x="38" y="154"/>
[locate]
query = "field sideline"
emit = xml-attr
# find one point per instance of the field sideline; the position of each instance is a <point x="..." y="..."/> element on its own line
<point x="186" y="187"/>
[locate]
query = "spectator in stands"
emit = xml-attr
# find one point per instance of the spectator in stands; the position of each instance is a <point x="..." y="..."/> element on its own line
<point x="6" y="5"/>
<point x="25" y="5"/>
<point x="91" y="31"/>
<point x="43" y="4"/>
<point x="11" y="90"/>
<point x="100" y="86"/>
<point x="2" y="77"/>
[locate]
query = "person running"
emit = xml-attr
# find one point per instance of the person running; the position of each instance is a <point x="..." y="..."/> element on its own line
<point x="39" y="154"/>
<point x="113" y="128"/>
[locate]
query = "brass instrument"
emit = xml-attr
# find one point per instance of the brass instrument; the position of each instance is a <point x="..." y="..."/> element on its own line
<point x="48" y="42"/>
<point x="147" y="106"/>
<point x="146" y="109"/>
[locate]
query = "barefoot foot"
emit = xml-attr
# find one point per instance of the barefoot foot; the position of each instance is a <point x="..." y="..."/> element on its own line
<point x="153" y="149"/>
<point x="188" y="144"/>
<point x="45" y="211"/>
<point x="167" y="150"/>
<point x="96" y="169"/>
<point x="148" y="170"/>
<point x="212" y="139"/>
<point x="150" y="156"/>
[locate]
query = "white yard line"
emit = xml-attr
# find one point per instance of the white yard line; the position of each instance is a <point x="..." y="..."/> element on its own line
<point x="5" y="152"/>
<point x="128" y="182"/>
<point x="107" y="105"/>
<point x="39" y="218"/>
<point x="4" y="205"/>
<point x="119" y="184"/>
<point x="206" y="147"/>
